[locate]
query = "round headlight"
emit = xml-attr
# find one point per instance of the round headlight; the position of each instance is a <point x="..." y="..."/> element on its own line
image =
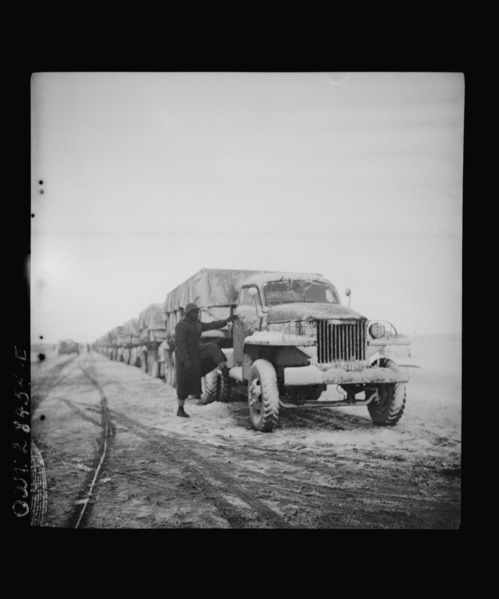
<point x="377" y="330"/>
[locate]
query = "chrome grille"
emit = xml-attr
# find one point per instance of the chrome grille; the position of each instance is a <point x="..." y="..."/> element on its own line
<point x="341" y="342"/>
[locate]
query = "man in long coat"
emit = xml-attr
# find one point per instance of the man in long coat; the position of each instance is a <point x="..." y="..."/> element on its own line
<point x="194" y="359"/>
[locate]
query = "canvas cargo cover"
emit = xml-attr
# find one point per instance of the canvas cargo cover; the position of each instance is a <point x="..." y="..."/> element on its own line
<point x="208" y="287"/>
<point x="114" y="333"/>
<point x="104" y="340"/>
<point x="151" y="318"/>
<point x="131" y="327"/>
<point x="120" y="336"/>
<point x="131" y="330"/>
<point x="152" y="325"/>
<point x="123" y="339"/>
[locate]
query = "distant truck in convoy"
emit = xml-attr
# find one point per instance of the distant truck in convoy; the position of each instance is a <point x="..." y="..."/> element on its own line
<point x="152" y="334"/>
<point x="111" y="343"/>
<point x="68" y="346"/>
<point x="290" y="338"/>
<point x="128" y="340"/>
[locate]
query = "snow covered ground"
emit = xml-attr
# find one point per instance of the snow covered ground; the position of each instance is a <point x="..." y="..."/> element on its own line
<point x="432" y="414"/>
<point x="361" y="475"/>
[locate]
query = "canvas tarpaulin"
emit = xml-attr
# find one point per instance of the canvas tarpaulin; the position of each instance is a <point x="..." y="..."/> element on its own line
<point x="114" y="334"/>
<point x="152" y="317"/>
<point x="131" y="330"/>
<point x="208" y="287"/>
<point x="103" y="341"/>
<point x="214" y="290"/>
<point x="151" y="323"/>
<point x="121" y="336"/>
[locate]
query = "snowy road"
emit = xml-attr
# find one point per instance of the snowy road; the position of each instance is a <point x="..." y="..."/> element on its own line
<point x="116" y="456"/>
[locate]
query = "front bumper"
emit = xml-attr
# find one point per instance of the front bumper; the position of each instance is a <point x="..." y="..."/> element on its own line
<point x="313" y="375"/>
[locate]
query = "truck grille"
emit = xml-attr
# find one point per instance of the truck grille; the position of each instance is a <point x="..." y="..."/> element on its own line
<point x="341" y="342"/>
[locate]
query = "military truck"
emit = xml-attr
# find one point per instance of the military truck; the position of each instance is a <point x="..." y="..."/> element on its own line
<point x="151" y="334"/>
<point x="116" y="339"/>
<point x="291" y="337"/>
<point x="67" y="346"/>
<point x="128" y="340"/>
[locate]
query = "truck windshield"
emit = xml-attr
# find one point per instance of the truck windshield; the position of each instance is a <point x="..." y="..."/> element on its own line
<point x="286" y="292"/>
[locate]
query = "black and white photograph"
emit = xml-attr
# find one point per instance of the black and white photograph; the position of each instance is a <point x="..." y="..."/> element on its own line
<point x="245" y="301"/>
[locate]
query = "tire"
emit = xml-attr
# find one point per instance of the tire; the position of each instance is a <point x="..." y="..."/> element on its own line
<point x="209" y="384"/>
<point x="388" y="407"/>
<point x="224" y="388"/>
<point x="263" y="396"/>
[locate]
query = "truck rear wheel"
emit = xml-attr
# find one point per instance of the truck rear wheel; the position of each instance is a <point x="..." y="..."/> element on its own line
<point x="209" y="384"/>
<point x="224" y="388"/>
<point x="387" y="407"/>
<point x="263" y="396"/>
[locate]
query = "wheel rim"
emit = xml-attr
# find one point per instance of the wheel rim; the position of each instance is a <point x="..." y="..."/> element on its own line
<point x="255" y="396"/>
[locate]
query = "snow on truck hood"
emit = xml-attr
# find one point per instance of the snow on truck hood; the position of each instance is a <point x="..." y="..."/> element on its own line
<point x="309" y="311"/>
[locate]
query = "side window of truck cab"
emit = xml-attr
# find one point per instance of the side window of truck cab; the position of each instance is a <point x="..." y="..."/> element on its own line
<point x="249" y="296"/>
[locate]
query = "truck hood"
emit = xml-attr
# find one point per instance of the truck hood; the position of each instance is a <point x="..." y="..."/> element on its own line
<point x="310" y="311"/>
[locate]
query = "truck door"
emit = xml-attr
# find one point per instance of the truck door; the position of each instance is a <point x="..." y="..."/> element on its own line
<point x="248" y="318"/>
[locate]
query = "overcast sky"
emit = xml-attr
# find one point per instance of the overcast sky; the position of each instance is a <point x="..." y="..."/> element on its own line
<point x="139" y="180"/>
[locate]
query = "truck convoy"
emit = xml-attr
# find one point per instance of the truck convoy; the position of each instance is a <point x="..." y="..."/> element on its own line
<point x="290" y="338"/>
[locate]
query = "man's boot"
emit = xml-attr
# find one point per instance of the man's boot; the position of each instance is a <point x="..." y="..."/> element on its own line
<point x="182" y="413"/>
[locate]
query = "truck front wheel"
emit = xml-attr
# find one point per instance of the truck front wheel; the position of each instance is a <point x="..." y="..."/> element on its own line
<point x="263" y="396"/>
<point x="388" y="405"/>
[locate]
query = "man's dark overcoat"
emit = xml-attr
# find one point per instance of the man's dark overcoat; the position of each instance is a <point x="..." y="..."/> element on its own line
<point x="187" y="348"/>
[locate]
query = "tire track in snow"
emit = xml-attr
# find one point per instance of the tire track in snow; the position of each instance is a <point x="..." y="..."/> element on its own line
<point x="82" y="414"/>
<point x="242" y="508"/>
<point x="80" y="515"/>
<point x="219" y="487"/>
<point x="330" y="417"/>
<point x="43" y="381"/>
